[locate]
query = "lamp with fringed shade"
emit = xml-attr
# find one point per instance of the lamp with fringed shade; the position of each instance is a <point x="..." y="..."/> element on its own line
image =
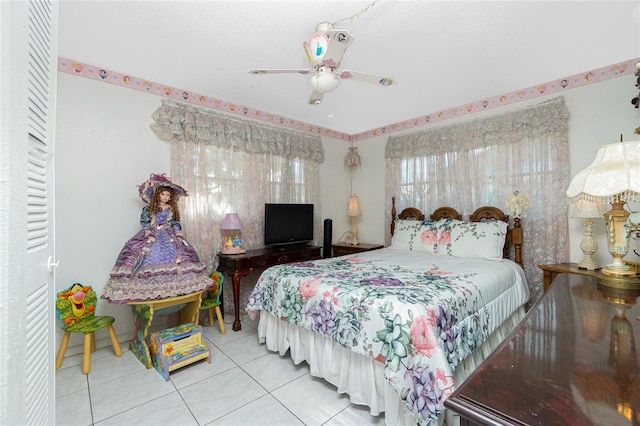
<point x="518" y="205"/>
<point x="613" y="177"/>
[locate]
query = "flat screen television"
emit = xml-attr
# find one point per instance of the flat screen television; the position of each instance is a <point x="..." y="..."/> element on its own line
<point x="287" y="224"/>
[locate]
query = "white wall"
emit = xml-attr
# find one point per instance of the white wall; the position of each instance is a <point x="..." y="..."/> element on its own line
<point x="368" y="185"/>
<point x="599" y="116"/>
<point x="334" y="186"/>
<point x="105" y="148"/>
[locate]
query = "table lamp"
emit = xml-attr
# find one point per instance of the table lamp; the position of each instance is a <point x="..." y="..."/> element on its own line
<point x="231" y="228"/>
<point x="518" y="205"/>
<point x="613" y="177"/>
<point x="588" y="210"/>
<point x="354" y="211"/>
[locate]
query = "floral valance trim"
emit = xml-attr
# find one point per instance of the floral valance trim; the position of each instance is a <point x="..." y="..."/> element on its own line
<point x="175" y="121"/>
<point x="551" y="116"/>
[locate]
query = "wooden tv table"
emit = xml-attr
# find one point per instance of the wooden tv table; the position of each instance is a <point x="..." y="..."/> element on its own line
<point x="571" y="361"/>
<point x="239" y="265"/>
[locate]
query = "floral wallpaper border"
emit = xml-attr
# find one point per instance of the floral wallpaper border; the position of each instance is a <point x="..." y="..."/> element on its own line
<point x="108" y="76"/>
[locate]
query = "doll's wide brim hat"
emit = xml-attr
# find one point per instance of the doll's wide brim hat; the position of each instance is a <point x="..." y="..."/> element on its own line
<point x="147" y="188"/>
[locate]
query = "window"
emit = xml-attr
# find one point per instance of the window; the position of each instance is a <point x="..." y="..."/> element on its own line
<point x="233" y="164"/>
<point x="479" y="163"/>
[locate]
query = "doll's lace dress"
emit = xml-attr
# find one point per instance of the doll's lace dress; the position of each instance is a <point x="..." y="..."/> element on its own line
<point x="156" y="263"/>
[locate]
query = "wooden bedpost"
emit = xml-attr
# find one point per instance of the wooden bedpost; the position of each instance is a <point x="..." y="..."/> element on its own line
<point x="516" y="236"/>
<point x="393" y="215"/>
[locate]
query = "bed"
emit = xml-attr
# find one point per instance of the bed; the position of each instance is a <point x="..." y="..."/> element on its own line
<point x="397" y="328"/>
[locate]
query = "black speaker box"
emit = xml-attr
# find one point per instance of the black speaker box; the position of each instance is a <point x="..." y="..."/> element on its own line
<point x="328" y="236"/>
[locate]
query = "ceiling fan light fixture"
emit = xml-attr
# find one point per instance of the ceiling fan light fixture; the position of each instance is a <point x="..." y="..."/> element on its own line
<point x="324" y="51"/>
<point x="324" y="80"/>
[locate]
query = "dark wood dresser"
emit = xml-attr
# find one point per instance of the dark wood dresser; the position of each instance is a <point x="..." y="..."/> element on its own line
<point x="571" y="361"/>
<point x="239" y="265"/>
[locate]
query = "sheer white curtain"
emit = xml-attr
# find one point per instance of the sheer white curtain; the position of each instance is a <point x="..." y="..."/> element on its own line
<point x="481" y="162"/>
<point x="234" y="165"/>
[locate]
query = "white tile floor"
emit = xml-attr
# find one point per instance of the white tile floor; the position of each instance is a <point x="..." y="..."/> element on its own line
<point x="245" y="384"/>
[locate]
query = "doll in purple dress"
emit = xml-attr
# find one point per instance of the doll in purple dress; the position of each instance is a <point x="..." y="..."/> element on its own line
<point x="157" y="262"/>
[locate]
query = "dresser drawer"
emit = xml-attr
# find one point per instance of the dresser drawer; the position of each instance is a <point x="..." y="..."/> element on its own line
<point x="233" y="263"/>
<point x="279" y="258"/>
<point x="275" y="259"/>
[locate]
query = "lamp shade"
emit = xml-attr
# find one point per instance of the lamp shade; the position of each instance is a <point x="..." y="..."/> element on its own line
<point x="231" y="221"/>
<point x="614" y="173"/>
<point x="588" y="209"/>
<point x="518" y="204"/>
<point x="354" y="206"/>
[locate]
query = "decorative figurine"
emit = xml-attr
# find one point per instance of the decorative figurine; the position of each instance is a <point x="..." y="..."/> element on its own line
<point x="157" y="262"/>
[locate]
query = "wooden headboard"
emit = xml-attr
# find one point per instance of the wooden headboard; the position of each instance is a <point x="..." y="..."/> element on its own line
<point x="514" y="233"/>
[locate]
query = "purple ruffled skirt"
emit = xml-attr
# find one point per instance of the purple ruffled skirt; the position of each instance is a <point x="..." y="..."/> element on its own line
<point x="166" y="267"/>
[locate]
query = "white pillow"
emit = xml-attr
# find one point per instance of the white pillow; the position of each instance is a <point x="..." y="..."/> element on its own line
<point x="484" y="240"/>
<point x="421" y="236"/>
<point x="404" y="233"/>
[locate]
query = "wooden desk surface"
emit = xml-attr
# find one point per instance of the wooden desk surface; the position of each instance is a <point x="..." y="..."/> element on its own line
<point x="568" y="268"/>
<point x="550" y="271"/>
<point x="571" y="361"/>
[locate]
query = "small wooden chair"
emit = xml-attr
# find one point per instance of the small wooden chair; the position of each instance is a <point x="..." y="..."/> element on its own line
<point x="76" y="307"/>
<point x="211" y="300"/>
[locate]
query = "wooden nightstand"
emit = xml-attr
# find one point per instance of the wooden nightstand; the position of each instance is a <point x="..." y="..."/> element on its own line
<point x="341" y="249"/>
<point x="550" y="272"/>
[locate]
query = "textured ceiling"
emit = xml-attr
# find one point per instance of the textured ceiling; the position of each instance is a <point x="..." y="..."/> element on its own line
<point x="443" y="54"/>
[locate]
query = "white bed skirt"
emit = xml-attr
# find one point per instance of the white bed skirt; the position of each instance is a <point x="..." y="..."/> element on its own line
<point x="360" y="377"/>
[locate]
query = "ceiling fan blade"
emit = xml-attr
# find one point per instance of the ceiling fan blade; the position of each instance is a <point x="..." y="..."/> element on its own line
<point x="380" y="80"/>
<point x="280" y="71"/>
<point x="315" y="98"/>
<point x="339" y="41"/>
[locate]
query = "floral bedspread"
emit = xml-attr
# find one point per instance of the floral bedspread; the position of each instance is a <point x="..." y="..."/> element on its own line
<point x="420" y="315"/>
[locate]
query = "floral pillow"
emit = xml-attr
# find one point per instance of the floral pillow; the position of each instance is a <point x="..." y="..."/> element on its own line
<point x="484" y="240"/>
<point x="421" y="236"/>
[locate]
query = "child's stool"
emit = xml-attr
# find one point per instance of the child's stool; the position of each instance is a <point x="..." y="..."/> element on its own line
<point x="178" y="346"/>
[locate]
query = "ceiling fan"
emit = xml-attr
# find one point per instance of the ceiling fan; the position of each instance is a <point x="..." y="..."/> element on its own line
<point x="324" y="51"/>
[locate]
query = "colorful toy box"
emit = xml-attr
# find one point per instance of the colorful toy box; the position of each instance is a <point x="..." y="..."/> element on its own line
<point x="176" y="347"/>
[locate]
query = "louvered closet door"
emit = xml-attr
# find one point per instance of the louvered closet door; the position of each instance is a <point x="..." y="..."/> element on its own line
<point x="27" y="346"/>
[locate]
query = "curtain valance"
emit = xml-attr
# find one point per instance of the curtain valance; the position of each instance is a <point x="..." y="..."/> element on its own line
<point x="545" y="118"/>
<point x="174" y="121"/>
